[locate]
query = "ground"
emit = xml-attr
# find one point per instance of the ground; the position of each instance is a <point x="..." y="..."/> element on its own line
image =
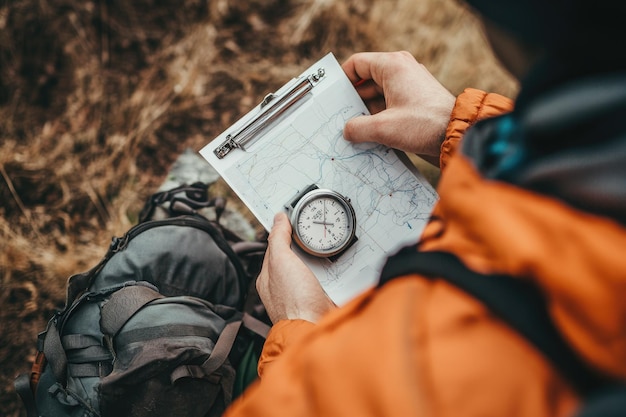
<point x="98" y="98"/>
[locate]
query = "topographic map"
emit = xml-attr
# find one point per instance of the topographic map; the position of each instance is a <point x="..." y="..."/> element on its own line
<point x="392" y="201"/>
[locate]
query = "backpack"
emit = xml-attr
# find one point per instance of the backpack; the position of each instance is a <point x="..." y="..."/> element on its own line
<point x="522" y="306"/>
<point x="160" y="325"/>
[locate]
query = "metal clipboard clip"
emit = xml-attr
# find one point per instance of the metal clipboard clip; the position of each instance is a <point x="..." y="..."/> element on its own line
<point x="272" y="107"/>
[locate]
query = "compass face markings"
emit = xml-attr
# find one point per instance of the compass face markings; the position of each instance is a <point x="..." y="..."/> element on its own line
<point x="323" y="224"/>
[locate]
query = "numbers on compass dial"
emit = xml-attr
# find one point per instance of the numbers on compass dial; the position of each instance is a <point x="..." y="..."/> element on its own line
<point x="323" y="224"/>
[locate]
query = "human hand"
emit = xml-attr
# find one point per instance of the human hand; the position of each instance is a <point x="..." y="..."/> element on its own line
<point x="410" y="108"/>
<point x="287" y="287"/>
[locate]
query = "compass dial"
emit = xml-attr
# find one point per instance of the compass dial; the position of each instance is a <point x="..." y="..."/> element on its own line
<point x="323" y="223"/>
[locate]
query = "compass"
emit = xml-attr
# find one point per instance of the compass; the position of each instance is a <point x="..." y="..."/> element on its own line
<point x="323" y="222"/>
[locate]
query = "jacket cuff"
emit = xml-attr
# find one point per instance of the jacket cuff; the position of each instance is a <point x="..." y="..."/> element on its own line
<point x="281" y="335"/>
<point x="471" y="106"/>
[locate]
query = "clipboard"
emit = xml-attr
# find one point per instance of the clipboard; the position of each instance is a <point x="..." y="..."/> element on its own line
<point x="294" y="138"/>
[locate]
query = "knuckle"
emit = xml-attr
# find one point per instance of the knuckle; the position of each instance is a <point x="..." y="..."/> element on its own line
<point x="405" y="55"/>
<point x="404" y="59"/>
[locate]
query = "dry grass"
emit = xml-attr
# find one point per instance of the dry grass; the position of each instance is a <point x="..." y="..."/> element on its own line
<point x="98" y="98"/>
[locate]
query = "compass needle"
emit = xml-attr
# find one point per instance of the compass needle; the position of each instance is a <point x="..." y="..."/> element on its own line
<point x="324" y="219"/>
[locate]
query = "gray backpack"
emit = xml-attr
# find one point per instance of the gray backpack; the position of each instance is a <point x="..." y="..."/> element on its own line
<point x="157" y="328"/>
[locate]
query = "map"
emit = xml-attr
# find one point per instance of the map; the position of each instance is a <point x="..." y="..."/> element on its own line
<point x="392" y="201"/>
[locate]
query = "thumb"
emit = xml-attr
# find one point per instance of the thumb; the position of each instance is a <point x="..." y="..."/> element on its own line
<point x="369" y="128"/>
<point x="355" y="129"/>
<point x="280" y="235"/>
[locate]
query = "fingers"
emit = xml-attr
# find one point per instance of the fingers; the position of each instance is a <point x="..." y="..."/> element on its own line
<point x="354" y="62"/>
<point x="410" y="108"/>
<point x="375" y="65"/>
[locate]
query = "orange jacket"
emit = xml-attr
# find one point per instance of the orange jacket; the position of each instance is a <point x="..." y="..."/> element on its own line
<point x="419" y="347"/>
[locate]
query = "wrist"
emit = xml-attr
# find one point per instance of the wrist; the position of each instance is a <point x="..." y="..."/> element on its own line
<point x="312" y="312"/>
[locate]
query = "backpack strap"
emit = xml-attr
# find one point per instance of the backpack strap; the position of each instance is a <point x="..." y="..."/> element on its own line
<point x="222" y="348"/>
<point x="23" y="388"/>
<point x="54" y="352"/>
<point x="218" y="356"/>
<point x="516" y="301"/>
<point x="255" y="325"/>
<point x="123" y="304"/>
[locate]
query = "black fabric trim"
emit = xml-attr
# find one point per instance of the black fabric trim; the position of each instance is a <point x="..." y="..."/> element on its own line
<point x="517" y="302"/>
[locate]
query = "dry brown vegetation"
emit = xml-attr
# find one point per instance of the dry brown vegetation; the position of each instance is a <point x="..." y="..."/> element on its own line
<point x="98" y="98"/>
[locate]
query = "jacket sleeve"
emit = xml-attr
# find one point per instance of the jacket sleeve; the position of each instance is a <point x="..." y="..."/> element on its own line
<point x="282" y="334"/>
<point x="471" y="106"/>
